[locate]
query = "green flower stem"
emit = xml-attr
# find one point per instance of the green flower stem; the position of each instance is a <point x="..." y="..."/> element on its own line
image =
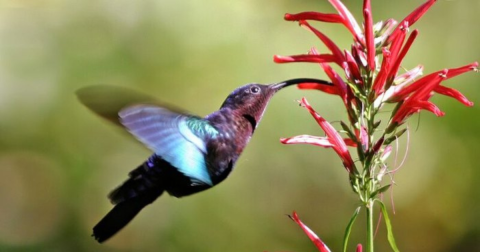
<point x="370" y="187"/>
<point x="369" y="208"/>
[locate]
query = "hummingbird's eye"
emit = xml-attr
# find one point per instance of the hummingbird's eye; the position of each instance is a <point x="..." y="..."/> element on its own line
<point x="255" y="90"/>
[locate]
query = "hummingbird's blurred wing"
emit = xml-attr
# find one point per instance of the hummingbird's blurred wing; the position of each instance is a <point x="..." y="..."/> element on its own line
<point x="178" y="138"/>
<point x="107" y="101"/>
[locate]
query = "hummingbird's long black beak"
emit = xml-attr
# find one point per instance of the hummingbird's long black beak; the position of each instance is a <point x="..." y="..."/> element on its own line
<point x="280" y="85"/>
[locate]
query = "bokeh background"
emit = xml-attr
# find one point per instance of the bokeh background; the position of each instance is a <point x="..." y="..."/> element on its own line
<point x="58" y="160"/>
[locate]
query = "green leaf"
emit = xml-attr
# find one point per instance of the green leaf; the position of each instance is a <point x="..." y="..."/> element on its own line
<point x="395" y="137"/>
<point x="381" y="190"/>
<point x="349" y="228"/>
<point x="358" y="92"/>
<point x="348" y="131"/>
<point x="390" y="237"/>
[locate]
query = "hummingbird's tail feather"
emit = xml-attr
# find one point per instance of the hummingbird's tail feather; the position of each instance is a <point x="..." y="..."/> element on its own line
<point x="142" y="188"/>
<point x="141" y="180"/>
<point x="122" y="214"/>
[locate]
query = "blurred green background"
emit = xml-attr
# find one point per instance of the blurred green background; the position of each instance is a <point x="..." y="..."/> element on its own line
<point x="58" y="161"/>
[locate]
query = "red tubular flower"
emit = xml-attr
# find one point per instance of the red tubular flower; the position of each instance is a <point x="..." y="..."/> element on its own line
<point x="453" y="72"/>
<point x="337" y="53"/>
<point x="348" y="20"/>
<point x="424" y="85"/>
<point x="339" y="86"/>
<point x="353" y="68"/>
<point x="399" y="59"/>
<point x="359" y="248"/>
<point x="381" y="78"/>
<point x="386" y="152"/>
<point x="413" y="17"/>
<point x="344" y="17"/>
<point x="424" y="92"/>
<point x="378" y="144"/>
<point x="454" y="94"/>
<point x="408" y="76"/>
<point x="369" y="39"/>
<point x="313" y="237"/>
<point x="419" y="99"/>
<point x="359" y="56"/>
<point x="324" y="88"/>
<point x="386" y="29"/>
<point x="319" y="58"/>
<point x="362" y="135"/>
<point x="332" y="139"/>
<point x="337" y="81"/>
<point x="417" y="85"/>
<point x="307" y="139"/>
<point x="412" y="107"/>
<point x="395" y="50"/>
<point x="401" y="81"/>
<point x="311" y="15"/>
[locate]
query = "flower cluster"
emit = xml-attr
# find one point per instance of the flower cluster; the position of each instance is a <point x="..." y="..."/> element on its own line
<point x="374" y="76"/>
<point x="369" y="84"/>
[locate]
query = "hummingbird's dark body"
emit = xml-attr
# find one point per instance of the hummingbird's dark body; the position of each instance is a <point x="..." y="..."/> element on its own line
<point x="191" y="154"/>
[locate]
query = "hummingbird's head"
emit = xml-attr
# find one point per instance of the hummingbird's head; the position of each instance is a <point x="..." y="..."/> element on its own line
<point x="252" y="99"/>
<point x="249" y="96"/>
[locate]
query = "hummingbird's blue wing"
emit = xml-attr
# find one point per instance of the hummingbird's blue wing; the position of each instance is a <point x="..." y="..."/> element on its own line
<point x="177" y="138"/>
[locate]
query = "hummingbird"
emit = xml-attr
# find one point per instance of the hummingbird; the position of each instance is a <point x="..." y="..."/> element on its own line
<point x="190" y="153"/>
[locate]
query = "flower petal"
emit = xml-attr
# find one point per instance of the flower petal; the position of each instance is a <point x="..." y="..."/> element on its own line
<point x="337" y="81"/>
<point x="359" y="55"/>
<point x="398" y="42"/>
<point x="431" y="82"/>
<point x="363" y="136"/>
<point x="317" y="16"/>
<point x="400" y="82"/>
<point x="350" y="142"/>
<point x="454" y="94"/>
<point x="429" y="106"/>
<point x="327" y="41"/>
<point x="413" y="17"/>
<point x="307" y="139"/>
<point x="452" y="72"/>
<point x="408" y="76"/>
<point x="325" y="88"/>
<point x="369" y="38"/>
<point x="378" y="145"/>
<point x="399" y="59"/>
<point x="428" y="80"/>
<point x="386" y="153"/>
<point x="349" y="21"/>
<point x="313" y="237"/>
<point x="353" y="67"/>
<point x="333" y="136"/>
<point x="320" y="58"/>
<point x="379" y="83"/>
<point x="424" y="92"/>
<point x="359" y="248"/>
<point x="409" y="108"/>
<point x="383" y="34"/>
